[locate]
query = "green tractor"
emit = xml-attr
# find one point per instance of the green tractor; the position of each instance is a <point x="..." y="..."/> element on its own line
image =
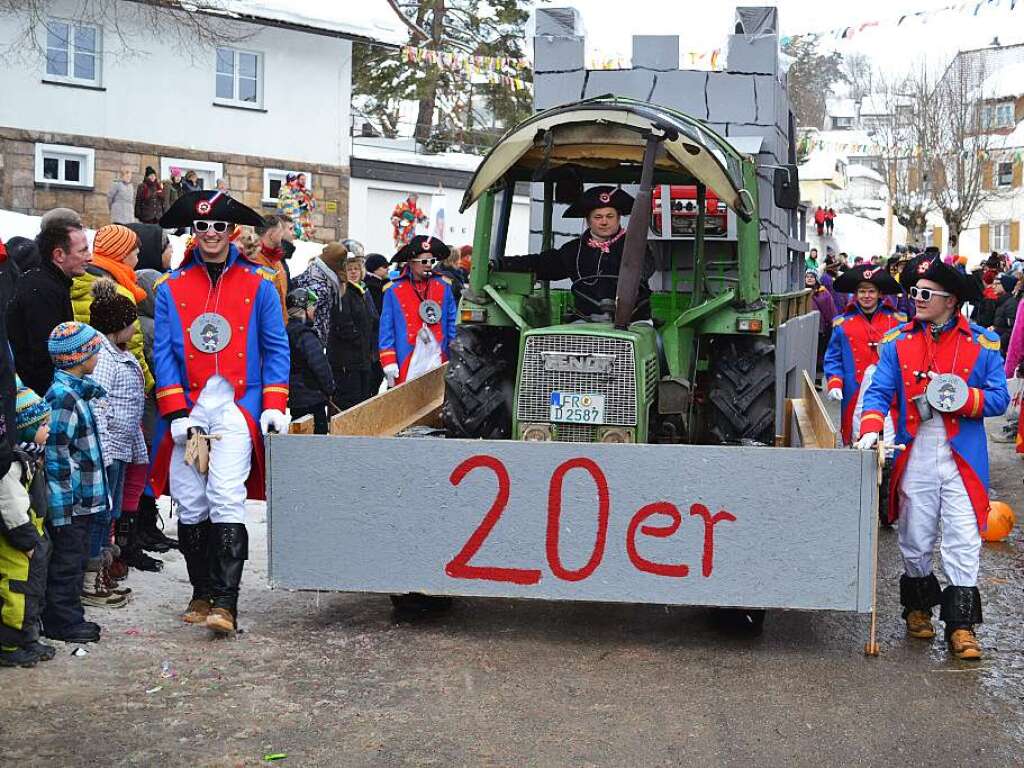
<point x="701" y="371"/>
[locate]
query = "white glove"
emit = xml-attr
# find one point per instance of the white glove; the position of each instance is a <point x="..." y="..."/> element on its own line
<point x="391" y="373"/>
<point x="179" y="430"/>
<point x="272" y="420"/>
<point x="835" y="394"/>
<point x="867" y="442"/>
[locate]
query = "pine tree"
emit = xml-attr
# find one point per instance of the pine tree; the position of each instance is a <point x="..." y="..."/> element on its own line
<point x="810" y="80"/>
<point x="453" y="110"/>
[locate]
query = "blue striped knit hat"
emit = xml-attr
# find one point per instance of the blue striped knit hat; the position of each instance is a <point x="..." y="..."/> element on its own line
<point x="32" y="411"/>
<point x="72" y="343"/>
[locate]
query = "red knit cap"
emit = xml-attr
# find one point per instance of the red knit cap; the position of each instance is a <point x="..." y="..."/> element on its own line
<point x="114" y="242"/>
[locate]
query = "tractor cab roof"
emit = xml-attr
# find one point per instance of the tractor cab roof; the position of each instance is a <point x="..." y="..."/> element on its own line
<point x="604" y="139"/>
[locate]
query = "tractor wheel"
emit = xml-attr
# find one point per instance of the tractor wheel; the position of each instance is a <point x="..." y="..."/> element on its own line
<point x="741" y="393"/>
<point x="479" y="385"/>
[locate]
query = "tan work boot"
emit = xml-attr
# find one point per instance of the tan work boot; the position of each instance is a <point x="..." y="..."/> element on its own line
<point x="197" y="611"/>
<point x="221" y="621"/>
<point x="919" y="625"/>
<point x="964" y="644"/>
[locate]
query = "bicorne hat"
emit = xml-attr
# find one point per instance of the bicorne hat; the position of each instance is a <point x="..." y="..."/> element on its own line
<point x="928" y="267"/>
<point x="421" y="244"/>
<point x="878" y="276"/>
<point x="211" y="205"/>
<point x="600" y="197"/>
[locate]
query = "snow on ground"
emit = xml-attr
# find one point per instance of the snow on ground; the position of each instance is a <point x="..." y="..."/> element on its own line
<point x="856" y="236"/>
<point x="14" y="224"/>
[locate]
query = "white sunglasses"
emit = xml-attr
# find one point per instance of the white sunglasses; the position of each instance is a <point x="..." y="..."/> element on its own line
<point x="925" y="294"/>
<point x="202" y="225"/>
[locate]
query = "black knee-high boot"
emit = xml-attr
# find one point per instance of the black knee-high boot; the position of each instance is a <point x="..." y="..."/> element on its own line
<point x="194" y="542"/>
<point x="228" y="551"/>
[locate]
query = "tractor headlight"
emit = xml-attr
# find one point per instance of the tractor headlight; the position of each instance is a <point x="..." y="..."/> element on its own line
<point x="535" y="433"/>
<point x="616" y="435"/>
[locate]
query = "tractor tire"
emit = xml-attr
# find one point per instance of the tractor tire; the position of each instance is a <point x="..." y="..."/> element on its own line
<point x="741" y="395"/>
<point x="479" y="384"/>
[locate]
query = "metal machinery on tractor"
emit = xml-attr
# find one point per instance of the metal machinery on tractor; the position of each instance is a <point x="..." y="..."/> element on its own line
<point x="702" y="371"/>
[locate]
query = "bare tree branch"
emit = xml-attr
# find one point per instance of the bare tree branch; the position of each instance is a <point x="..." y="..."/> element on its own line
<point x="416" y="29"/>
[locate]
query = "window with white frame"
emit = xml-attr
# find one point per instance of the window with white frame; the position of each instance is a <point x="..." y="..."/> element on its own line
<point x="206" y="172"/>
<point x="274" y="180"/>
<point x="999" y="236"/>
<point x="239" y="77"/>
<point x="65" y="166"/>
<point x="998" y="115"/>
<point x="73" y="52"/>
<point x="1005" y="175"/>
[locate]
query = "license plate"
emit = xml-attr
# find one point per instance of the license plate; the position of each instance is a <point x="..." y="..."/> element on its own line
<point x="577" y="408"/>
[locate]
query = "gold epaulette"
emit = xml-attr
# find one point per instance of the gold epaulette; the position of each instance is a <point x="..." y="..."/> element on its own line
<point x="838" y="321"/>
<point x="900" y="316"/>
<point x="387" y="285"/>
<point x="161" y="279"/>
<point x="266" y="272"/>
<point x="987" y="343"/>
<point x="892" y="335"/>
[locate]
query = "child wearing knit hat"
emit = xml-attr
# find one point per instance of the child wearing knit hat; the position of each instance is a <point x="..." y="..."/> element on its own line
<point x="119" y="415"/>
<point x="24" y="547"/>
<point x="75" y="478"/>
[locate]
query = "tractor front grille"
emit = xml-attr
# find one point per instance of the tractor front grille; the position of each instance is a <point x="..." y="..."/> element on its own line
<point x="537" y="384"/>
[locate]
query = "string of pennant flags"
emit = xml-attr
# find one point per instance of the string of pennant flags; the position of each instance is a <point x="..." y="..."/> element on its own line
<point x="494" y="69"/>
<point x="970" y="7"/>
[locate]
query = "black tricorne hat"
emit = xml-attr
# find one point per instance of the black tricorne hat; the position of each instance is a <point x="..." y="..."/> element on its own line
<point x="878" y="276"/>
<point x="421" y="244"/>
<point x="928" y="267"/>
<point x="211" y="205"/>
<point x="600" y="197"/>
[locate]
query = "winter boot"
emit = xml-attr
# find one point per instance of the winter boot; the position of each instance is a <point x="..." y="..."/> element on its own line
<point x="17" y="657"/>
<point x="961" y="610"/>
<point x="229" y="549"/>
<point x="918" y="595"/>
<point x="42" y="651"/>
<point x="195" y="548"/>
<point x="110" y="584"/>
<point x="131" y="552"/>
<point x="151" y="538"/>
<point x="94" y="592"/>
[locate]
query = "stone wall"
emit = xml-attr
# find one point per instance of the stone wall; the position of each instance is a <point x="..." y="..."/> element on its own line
<point x="243" y="174"/>
<point x="749" y="98"/>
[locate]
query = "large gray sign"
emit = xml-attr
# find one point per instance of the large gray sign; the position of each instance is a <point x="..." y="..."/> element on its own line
<point x="686" y="525"/>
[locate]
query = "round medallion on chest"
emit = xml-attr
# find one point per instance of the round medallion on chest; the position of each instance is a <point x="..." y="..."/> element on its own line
<point x="430" y="312"/>
<point x="947" y="393"/>
<point x="210" y="333"/>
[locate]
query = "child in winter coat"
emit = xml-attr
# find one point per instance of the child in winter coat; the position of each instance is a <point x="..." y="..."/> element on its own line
<point x="24" y="548"/>
<point x="75" y="479"/>
<point x="119" y="416"/>
<point x="310" y="382"/>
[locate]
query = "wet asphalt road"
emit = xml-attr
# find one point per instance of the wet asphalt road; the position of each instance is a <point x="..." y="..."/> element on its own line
<point x="331" y="680"/>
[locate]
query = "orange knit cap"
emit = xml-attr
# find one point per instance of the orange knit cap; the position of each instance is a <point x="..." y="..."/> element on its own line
<point x="114" y="242"/>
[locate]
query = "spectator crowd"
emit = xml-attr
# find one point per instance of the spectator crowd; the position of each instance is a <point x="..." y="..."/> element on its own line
<point x="78" y="431"/>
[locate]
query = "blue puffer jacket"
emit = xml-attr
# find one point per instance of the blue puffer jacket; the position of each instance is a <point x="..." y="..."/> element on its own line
<point x="310" y="381"/>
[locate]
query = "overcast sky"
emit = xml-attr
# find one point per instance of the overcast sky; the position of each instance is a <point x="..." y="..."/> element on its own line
<point x="703" y="24"/>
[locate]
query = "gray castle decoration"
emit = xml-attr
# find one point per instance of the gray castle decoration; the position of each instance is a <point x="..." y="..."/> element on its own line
<point x="747" y="104"/>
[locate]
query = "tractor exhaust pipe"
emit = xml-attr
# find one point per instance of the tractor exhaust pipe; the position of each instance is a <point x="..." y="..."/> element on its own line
<point x="636" y="239"/>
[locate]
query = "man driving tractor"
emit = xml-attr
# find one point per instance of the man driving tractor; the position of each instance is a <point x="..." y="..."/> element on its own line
<point x="593" y="259"/>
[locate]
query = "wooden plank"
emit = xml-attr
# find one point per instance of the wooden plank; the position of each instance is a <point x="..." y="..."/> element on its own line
<point x="417" y="402"/>
<point x="302" y="425"/>
<point x="804" y="425"/>
<point x="785" y="440"/>
<point x="824" y="430"/>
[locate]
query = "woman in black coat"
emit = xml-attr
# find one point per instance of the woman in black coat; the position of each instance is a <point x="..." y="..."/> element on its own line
<point x="349" y="346"/>
<point x="310" y="381"/>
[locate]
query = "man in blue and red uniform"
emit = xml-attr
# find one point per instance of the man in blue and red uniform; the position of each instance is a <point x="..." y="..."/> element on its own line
<point x="941" y="477"/>
<point x="221" y="362"/>
<point x="856" y="334"/>
<point x="418" y="309"/>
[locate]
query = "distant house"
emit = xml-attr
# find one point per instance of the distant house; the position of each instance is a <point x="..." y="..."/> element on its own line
<point x="822" y="179"/>
<point x="278" y="101"/>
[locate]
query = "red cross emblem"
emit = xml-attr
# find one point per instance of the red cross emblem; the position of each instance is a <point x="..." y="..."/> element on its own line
<point x="426" y="245"/>
<point x="869" y="273"/>
<point x="203" y="207"/>
<point x="923" y="267"/>
<point x="604" y="197"/>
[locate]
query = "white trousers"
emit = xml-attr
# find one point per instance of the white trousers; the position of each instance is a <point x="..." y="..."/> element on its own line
<point x="888" y="430"/>
<point x="220" y="494"/>
<point x="933" y="495"/>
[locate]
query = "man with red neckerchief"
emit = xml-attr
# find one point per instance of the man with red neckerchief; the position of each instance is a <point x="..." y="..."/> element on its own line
<point x="856" y="335"/>
<point x="946" y="375"/>
<point x="417" y="310"/>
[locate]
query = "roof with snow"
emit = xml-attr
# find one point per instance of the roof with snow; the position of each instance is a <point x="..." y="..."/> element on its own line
<point x="841" y="108"/>
<point x="858" y="171"/>
<point x="1006" y="82"/>
<point x="821" y="166"/>
<point x="365" y="20"/>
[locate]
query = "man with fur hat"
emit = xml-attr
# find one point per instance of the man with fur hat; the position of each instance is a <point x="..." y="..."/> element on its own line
<point x="942" y="375"/>
<point x="856" y="335"/>
<point x="221" y="356"/>
<point x="592" y="260"/>
<point x="417" y="322"/>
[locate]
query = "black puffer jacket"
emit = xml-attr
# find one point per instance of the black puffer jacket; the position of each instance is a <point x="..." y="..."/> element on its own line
<point x="349" y="345"/>
<point x="42" y="301"/>
<point x="310" y="382"/>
